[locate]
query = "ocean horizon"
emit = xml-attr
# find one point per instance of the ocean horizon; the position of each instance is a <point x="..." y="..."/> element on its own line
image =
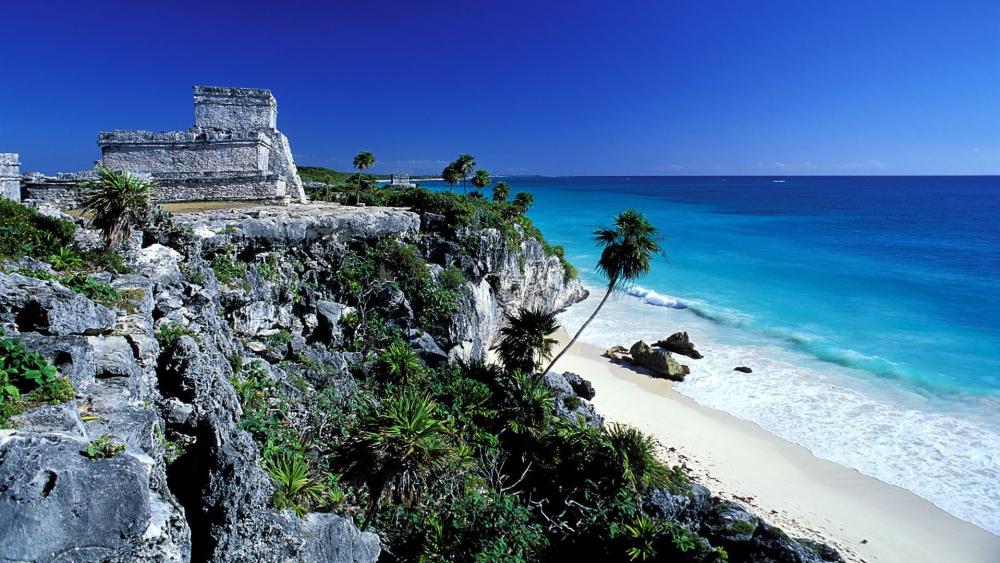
<point x="865" y="305"/>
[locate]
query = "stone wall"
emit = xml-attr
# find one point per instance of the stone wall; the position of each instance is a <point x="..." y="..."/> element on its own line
<point x="10" y="176"/>
<point x="61" y="192"/>
<point x="143" y="152"/>
<point x="234" y="109"/>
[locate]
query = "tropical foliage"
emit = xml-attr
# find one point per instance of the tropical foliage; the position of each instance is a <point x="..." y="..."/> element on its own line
<point x="525" y="340"/>
<point x="116" y="202"/>
<point x="362" y="161"/>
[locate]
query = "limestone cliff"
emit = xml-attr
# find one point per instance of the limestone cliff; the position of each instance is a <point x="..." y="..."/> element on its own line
<point x="155" y="372"/>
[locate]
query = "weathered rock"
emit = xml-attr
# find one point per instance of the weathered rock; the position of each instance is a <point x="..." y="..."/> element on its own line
<point x="657" y="360"/>
<point x="58" y="504"/>
<point x="392" y="302"/>
<point x="568" y="405"/>
<point x="49" y="308"/>
<point x="743" y="369"/>
<point x="424" y="345"/>
<point x="679" y="343"/>
<point x="72" y="355"/>
<point x="581" y="386"/>
<point x="335" y="539"/>
<point x="618" y="354"/>
<point x="728" y="522"/>
<point x="329" y="314"/>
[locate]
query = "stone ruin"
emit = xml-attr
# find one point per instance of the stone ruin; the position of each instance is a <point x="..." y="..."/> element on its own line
<point x="234" y="151"/>
<point x="10" y="176"/>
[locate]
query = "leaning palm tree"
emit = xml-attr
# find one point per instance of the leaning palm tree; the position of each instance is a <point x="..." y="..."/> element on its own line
<point x="465" y="164"/>
<point x="362" y="161"/>
<point x="501" y="192"/>
<point x="481" y="179"/>
<point x="117" y="201"/>
<point x="628" y="250"/>
<point x="525" y="342"/>
<point x="451" y="175"/>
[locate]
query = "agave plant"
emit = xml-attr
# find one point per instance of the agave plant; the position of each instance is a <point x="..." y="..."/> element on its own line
<point x="117" y="201"/>
<point x="297" y="489"/>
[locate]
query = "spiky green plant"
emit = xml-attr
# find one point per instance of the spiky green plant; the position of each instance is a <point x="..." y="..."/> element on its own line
<point x="642" y="534"/>
<point x="628" y="250"/>
<point x="401" y="448"/>
<point x="400" y="360"/>
<point x="297" y="488"/>
<point x="531" y="407"/>
<point x="65" y="258"/>
<point x="633" y="453"/>
<point x="525" y="341"/>
<point x="116" y="202"/>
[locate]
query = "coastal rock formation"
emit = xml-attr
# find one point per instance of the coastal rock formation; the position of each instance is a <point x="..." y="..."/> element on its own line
<point x="657" y="360"/>
<point x="211" y="499"/>
<point x="743" y="369"/>
<point x="618" y="354"/>
<point x="679" y="343"/>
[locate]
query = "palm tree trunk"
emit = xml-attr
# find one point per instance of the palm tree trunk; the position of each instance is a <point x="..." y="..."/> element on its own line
<point x="611" y="288"/>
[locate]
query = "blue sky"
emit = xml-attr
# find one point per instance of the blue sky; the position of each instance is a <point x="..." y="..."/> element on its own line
<point x="541" y="87"/>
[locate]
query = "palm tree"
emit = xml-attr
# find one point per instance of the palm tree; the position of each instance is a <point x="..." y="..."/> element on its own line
<point x="628" y="250"/>
<point x="117" y="201"/>
<point x="451" y="175"/>
<point x="481" y="179"/>
<point x="465" y="164"/>
<point x="522" y="201"/>
<point x="525" y="342"/>
<point x="501" y="192"/>
<point x="362" y="161"/>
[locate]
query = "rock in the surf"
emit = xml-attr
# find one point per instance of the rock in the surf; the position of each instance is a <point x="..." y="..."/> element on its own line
<point x="743" y="369"/>
<point x="679" y="343"/>
<point x="657" y="360"/>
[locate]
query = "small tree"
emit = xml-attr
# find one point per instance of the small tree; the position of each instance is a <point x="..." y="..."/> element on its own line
<point x="362" y="161"/>
<point x="628" y="250"/>
<point x="480" y="180"/>
<point x="464" y="165"/>
<point x="522" y="202"/>
<point x="451" y="175"/>
<point x="526" y="340"/>
<point x="117" y="201"/>
<point x="501" y="191"/>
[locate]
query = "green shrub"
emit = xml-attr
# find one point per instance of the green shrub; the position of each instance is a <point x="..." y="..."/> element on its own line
<point x="26" y="377"/>
<point x="169" y="333"/>
<point x="25" y="232"/>
<point x="298" y="489"/>
<point x="103" y="448"/>
<point x="97" y="291"/>
<point x="116" y="202"/>
<point x="227" y="268"/>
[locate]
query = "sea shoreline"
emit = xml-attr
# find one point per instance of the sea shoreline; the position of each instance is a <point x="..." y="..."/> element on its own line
<point x="784" y="483"/>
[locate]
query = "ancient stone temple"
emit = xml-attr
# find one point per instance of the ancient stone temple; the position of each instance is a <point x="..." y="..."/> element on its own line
<point x="233" y="152"/>
<point x="10" y="176"/>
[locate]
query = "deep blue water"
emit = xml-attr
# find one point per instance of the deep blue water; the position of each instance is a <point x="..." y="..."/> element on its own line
<point x="867" y="307"/>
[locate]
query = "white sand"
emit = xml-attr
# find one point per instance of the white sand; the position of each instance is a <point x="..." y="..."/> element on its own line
<point x="864" y="518"/>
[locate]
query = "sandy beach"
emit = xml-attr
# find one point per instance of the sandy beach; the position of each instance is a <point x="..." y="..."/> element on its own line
<point x="866" y="519"/>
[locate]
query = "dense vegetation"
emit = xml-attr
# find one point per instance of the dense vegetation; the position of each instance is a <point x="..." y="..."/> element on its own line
<point x="27" y="379"/>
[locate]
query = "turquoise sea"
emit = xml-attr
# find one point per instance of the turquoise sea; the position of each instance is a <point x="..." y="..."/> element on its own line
<point x="868" y="308"/>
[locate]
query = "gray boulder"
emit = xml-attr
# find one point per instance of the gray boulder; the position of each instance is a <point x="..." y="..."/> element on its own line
<point x="568" y="405"/>
<point x="329" y="314"/>
<point x="49" y="308"/>
<point x="424" y="344"/>
<point x="679" y="343"/>
<point x="581" y="386"/>
<point x="60" y="505"/>
<point x="657" y="360"/>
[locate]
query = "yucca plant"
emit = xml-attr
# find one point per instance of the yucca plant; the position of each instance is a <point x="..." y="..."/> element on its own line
<point x="117" y="201"/>
<point x="402" y="448"/>
<point x="633" y="456"/>
<point x="400" y="360"/>
<point x="297" y="488"/>
<point x="642" y="534"/>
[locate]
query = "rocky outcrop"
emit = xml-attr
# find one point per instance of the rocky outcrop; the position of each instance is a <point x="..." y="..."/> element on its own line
<point x="679" y="343"/>
<point x="210" y="499"/>
<point x="657" y="360"/>
<point x="744" y="536"/>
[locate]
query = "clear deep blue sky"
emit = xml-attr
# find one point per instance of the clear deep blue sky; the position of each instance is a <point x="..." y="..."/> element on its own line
<point x="576" y="87"/>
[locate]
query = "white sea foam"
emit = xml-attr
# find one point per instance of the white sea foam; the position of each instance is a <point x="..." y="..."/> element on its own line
<point x="941" y="450"/>
<point x="651" y="297"/>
